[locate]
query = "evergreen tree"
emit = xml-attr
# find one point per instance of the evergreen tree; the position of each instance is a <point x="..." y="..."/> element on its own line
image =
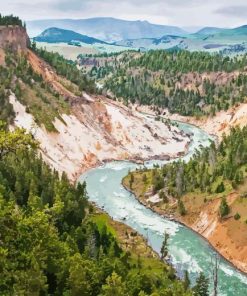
<point x="181" y="208"/>
<point x="224" y="209"/>
<point x="164" y="248"/>
<point x="114" y="286"/>
<point x="202" y="286"/>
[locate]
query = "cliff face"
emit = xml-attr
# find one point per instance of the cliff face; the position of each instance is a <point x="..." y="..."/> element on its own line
<point x="14" y="37"/>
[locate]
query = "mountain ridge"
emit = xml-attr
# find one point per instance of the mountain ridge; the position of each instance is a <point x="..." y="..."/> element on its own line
<point x="54" y="34"/>
<point x="209" y="30"/>
<point x="111" y="29"/>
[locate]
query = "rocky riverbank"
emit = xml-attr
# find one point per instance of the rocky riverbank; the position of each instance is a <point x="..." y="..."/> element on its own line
<point x="227" y="236"/>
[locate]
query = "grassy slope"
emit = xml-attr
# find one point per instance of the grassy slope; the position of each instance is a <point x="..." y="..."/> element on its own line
<point x="130" y="241"/>
<point x="43" y="105"/>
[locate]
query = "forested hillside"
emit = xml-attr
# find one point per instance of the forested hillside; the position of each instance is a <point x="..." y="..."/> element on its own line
<point x="187" y="83"/>
<point x="66" y="69"/>
<point x="212" y="172"/>
<point x="52" y="240"/>
<point x="51" y="243"/>
<point x="39" y="96"/>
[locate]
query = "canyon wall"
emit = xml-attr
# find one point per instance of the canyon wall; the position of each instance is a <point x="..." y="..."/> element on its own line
<point x="14" y="37"/>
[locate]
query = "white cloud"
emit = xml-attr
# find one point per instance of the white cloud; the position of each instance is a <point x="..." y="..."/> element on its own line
<point x="172" y="12"/>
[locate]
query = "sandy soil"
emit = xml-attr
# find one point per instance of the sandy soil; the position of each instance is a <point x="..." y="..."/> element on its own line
<point x="228" y="236"/>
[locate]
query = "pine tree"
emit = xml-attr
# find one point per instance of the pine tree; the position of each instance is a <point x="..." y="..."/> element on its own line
<point x="181" y="208"/>
<point x="114" y="286"/>
<point x="224" y="209"/>
<point x="164" y="248"/>
<point x="202" y="286"/>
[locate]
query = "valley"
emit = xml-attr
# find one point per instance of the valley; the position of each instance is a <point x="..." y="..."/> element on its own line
<point x="53" y="240"/>
<point x="100" y="137"/>
<point x="200" y="207"/>
<point x="91" y="129"/>
<point x="105" y="189"/>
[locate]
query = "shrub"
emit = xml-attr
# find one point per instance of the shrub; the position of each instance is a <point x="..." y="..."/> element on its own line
<point x="237" y="216"/>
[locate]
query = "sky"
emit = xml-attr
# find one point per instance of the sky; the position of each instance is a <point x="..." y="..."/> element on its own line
<point x="183" y="13"/>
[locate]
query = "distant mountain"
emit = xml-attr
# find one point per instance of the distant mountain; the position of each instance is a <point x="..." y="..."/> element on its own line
<point x="107" y="29"/>
<point x="53" y="35"/>
<point x="230" y="36"/>
<point x="209" y="31"/>
<point x="237" y="31"/>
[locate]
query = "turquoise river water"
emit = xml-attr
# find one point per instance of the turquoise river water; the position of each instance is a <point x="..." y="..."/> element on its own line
<point x="188" y="250"/>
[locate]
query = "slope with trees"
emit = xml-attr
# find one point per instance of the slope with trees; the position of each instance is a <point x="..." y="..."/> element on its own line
<point x="188" y="83"/>
<point x="39" y="96"/>
<point x="207" y="193"/>
<point x="212" y="170"/>
<point x="53" y="242"/>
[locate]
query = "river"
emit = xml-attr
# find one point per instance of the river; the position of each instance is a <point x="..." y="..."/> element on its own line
<point x="188" y="250"/>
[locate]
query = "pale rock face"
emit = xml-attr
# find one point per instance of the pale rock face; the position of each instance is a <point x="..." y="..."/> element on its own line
<point x="105" y="131"/>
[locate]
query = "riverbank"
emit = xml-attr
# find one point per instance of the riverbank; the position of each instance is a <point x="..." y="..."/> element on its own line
<point x="61" y="150"/>
<point x="128" y="239"/>
<point x="226" y="236"/>
<point x="214" y="125"/>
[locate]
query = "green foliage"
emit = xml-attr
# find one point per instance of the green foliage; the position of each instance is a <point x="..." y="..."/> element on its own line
<point x="157" y="181"/>
<point x="49" y="243"/>
<point x="181" y="208"/>
<point x="186" y="280"/>
<point x="10" y="20"/>
<point x="184" y="61"/>
<point x="158" y="78"/>
<point x="164" y="247"/>
<point x="210" y="169"/>
<point x="114" y="286"/>
<point x="224" y="209"/>
<point x="202" y="285"/>
<point x="220" y="188"/>
<point x="14" y="142"/>
<point x="66" y="68"/>
<point x="6" y="109"/>
<point x="163" y="196"/>
<point x="237" y="216"/>
<point x="40" y="99"/>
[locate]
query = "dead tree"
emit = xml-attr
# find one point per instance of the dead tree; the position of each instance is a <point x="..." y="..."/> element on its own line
<point x="215" y="262"/>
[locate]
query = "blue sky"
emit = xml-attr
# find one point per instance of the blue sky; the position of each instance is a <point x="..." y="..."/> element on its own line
<point x="184" y="13"/>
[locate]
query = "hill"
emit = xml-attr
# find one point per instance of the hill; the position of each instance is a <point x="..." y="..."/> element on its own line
<point x="230" y="36"/>
<point x="106" y="29"/>
<point x="209" y="31"/>
<point x="53" y="35"/>
<point x="188" y="83"/>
